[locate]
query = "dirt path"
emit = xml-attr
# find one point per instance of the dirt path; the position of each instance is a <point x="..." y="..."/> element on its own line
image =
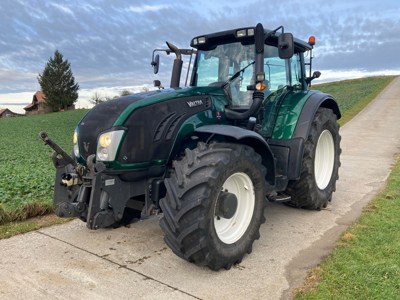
<point x="71" y="262"/>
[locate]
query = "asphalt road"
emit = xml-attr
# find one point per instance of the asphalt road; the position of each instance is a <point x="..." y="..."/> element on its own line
<point x="71" y="262"/>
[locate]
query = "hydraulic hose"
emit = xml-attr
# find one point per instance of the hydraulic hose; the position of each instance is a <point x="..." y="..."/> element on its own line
<point x="258" y="98"/>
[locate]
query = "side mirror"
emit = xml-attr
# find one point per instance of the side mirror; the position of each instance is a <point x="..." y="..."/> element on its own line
<point x="156" y="63"/>
<point x="285" y="46"/>
<point x="316" y="74"/>
<point x="157" y="84"/>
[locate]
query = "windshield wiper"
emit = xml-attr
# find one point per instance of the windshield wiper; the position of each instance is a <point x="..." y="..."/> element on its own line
<point x="236" y="75"/>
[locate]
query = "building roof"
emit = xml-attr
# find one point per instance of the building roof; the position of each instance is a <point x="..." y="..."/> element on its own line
<point x="4" y="110"/>
<point x="38" y="97"/>
<point x="29" y="106"/>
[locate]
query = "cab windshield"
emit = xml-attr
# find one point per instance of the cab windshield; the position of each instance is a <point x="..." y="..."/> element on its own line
<point x="219" y="64"/>
<point x="216" y="66"/>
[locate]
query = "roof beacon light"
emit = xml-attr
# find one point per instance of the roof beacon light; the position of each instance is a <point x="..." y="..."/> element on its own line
<point x="311" y="40"/>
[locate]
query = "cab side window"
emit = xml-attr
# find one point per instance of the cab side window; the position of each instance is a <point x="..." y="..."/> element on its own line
<point x="276" y="70"/>
<point x="295" y="65"/>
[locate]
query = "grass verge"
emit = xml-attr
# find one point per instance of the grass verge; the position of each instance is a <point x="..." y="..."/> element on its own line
<point x="13" y="228"/>
<point x="366" y="261"/>
<point x="355" y="94"/>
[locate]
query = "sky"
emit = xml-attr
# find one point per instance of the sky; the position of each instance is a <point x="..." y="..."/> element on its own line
<point x="109" y="43"/>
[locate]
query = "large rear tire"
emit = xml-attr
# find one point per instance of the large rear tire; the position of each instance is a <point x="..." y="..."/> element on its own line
<point x="214" y="204"/>
<point x="321" y="162"/>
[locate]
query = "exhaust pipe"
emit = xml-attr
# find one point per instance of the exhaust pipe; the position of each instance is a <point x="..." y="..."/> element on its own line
<point x="177" y="67"/>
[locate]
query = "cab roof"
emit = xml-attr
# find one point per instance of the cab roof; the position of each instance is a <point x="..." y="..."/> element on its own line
<point x="230" y="36"/>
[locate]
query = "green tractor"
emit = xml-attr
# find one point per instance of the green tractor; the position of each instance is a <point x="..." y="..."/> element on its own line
<point x="247" y="129"/>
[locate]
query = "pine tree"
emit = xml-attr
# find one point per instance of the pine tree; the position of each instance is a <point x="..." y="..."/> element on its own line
<point x="58" y="83"/>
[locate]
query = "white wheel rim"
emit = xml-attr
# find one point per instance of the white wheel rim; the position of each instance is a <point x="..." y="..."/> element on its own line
<point x="324" y="159"/>
<point x="231" y="230"/>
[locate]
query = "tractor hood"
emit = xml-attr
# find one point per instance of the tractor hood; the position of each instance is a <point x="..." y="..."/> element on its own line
<point x="120" y="112"/>
<point x="102" y="117"/>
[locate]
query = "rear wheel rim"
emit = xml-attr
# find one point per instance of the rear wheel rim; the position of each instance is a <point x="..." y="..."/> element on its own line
<point x="324" y="159"/>
<point x="231" y="230"/>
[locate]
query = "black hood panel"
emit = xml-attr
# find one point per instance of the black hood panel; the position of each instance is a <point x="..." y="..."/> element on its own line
<point x="152" y="129"/>
<point x="101" y="118"/>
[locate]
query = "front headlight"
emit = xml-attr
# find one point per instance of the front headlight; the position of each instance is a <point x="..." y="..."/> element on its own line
<point x="107" y="145"/>
<point x="76" y="146"/>
<point x="105" y="140"/>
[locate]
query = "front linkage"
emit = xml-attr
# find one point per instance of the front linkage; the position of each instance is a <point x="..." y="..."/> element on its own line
<point x="85" y="191"/>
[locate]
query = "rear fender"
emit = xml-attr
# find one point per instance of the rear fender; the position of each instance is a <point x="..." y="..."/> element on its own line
<point x="246" y="137"/>
<point x="300" y="135"/>
<point x="309" y="110"/>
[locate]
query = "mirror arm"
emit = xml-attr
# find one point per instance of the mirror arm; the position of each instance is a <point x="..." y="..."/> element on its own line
<point x="315" y="75"/>
<point x="273" y="32"/>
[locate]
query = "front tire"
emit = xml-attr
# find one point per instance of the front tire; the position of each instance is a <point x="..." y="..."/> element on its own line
<point x="214" y="204"/>
<point x="320" y="166"/>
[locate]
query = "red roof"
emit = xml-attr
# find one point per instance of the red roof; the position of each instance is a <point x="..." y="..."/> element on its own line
<point x="29" y="106"/>
<point x="38" y="97"/>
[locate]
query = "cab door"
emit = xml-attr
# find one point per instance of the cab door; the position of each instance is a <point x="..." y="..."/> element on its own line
<point x="285" y="86"/>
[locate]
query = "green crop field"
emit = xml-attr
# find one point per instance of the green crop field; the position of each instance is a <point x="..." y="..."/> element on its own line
<point x="26" y="170"/>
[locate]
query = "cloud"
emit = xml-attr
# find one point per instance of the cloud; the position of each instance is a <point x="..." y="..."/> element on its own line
<point x="337" y="75"/>
<point x="63" y="8"/>
<point x="146" y="8"/>
<point x="16" y="101"/>
<point x="17" y="81"/>
<point x="109" y="43"/>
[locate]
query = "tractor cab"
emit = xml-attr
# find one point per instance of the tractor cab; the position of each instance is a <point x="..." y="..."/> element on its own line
<point x="257" y="69"/>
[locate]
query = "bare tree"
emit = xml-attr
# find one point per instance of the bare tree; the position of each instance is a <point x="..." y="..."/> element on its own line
<point x="144" y="89"/>
<point x="125" y="93"/>
<point x="96" y="98"/>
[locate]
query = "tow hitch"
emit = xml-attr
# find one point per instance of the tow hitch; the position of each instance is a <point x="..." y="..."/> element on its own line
<point x="86" y="192"/>
<point x="69" y="176"/>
